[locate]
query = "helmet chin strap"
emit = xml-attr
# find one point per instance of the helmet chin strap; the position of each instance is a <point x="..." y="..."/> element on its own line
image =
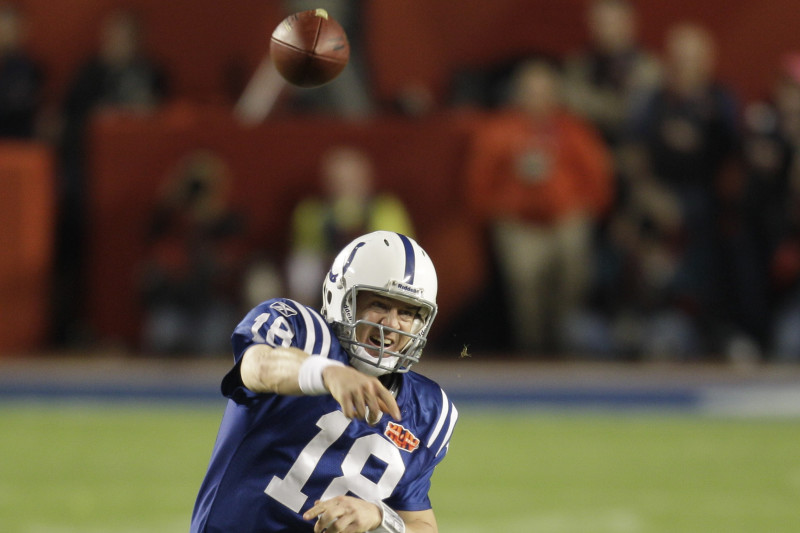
<point x="371" y="369"/>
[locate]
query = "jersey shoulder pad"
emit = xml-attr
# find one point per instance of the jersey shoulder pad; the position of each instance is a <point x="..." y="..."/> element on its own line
<point x="285" y="322"/>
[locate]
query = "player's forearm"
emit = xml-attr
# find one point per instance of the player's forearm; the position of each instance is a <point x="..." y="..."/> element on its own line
<point x="419" y="521"/>
<point x="420" y="527"/>
<point x="266" y="369"/>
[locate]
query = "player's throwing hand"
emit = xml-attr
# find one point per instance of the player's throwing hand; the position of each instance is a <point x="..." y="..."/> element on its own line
<point x="359" y="394"/>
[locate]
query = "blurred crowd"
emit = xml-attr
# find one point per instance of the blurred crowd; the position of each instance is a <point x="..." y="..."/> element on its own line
<point x="634" y="209"/>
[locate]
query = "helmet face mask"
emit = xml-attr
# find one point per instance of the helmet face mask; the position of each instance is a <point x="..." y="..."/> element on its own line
<point x="392" y="266"/>
<point x="385" y="360"/>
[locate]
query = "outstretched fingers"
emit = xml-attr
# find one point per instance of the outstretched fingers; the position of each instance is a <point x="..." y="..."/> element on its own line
<point x="360" y="396"/>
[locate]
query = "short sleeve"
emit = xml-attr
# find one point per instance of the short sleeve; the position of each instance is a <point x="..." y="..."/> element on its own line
<point x="277" y="322"/>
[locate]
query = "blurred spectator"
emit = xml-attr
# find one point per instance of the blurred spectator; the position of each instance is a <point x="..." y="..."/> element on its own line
<point x="194" y="260"/>
<point x="21" y="78"/>
<point x="541" y="178"/>
<point x="119" y="77"/>
<point x="262" y="280"/>
<point x="771" y="203"/>
<point x="680" y="145"/>
<point x="636" y="266"/>
<point x="350" y="207"/>
<point x="608" y="80"/>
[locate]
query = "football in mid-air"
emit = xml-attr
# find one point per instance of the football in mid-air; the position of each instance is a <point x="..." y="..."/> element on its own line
<point x="309" y="48"/>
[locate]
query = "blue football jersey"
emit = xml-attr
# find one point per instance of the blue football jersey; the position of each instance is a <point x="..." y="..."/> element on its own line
<point x="275" y="455"/>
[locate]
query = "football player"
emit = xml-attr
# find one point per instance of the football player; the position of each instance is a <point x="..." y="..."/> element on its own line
<point x="326" y="429"/>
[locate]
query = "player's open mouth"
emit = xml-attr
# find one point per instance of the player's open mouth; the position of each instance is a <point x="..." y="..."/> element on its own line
<point x="376" y="341"/>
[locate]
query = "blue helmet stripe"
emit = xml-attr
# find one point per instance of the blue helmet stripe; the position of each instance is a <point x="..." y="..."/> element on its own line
<point x="411" y="261"/>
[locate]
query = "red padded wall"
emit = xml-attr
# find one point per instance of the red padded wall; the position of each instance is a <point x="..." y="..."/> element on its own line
<point x="26" y="238"/>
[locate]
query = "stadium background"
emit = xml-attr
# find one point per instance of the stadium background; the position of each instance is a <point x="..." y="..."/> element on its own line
<point x="200" y="42"/>
<point x="108" y="441"/>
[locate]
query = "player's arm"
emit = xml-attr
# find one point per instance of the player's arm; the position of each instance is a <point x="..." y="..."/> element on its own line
<point x="267" y="369"/>
<point x="291" y="371"/>
<point x="347" y="513"/>
<point x="419" y="521"/>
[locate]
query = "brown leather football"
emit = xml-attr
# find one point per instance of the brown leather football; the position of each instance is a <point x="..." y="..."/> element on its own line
<point x="309" y="48"/>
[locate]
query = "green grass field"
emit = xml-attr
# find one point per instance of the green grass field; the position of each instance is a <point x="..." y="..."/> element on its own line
<point x="136" y="468"/>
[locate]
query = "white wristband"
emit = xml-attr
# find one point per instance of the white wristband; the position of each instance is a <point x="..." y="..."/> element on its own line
<point x="391" y="521"/>
<point x="310" y="375"/>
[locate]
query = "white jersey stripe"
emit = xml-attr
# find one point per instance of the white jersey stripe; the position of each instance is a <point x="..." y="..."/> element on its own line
<point x="311" y="331"/>
<point x="440" y="422"/>
<point x="453" y="419"/>
<point x="325" y="348"/>
<point x="311" y="336"/>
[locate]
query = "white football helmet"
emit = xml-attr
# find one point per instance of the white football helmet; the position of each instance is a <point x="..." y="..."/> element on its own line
<point x="394" y="266"/>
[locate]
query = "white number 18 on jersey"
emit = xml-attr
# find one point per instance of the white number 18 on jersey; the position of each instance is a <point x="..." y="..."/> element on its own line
<point x="288" y="490"/>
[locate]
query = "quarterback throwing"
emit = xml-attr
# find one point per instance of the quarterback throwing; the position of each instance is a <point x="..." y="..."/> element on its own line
<point x="326" y="429"/>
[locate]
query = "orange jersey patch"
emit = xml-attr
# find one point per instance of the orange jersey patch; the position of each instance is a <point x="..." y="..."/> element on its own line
<point x="401" y="437"/>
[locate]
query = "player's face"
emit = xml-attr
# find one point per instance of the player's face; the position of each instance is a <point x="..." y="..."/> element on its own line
<point x="395" y="314"/>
